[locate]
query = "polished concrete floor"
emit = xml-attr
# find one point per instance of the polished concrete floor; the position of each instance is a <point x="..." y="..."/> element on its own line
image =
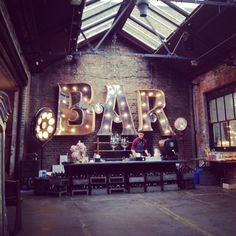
<point x="206" y="210"/>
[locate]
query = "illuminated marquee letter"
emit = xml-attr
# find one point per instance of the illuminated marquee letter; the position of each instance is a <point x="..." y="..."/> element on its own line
<point x="115" y="93"/>
<point x="156" y="99"/>
<point x="75" y="115"/>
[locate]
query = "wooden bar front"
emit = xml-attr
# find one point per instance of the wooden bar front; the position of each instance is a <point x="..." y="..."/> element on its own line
<point x="128" y="170"/>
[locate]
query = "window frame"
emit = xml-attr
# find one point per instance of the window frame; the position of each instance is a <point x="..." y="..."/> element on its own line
<point x="214" y="95"/>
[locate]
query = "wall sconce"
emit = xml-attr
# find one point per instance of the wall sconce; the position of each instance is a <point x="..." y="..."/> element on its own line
<point x="143" y="6"/>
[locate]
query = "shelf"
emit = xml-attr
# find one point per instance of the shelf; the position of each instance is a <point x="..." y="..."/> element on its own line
<point x="114" y="150"/>
<point x="106" y="145"/>
<point x="102" y="142"/>
<point x="107" y="142"/>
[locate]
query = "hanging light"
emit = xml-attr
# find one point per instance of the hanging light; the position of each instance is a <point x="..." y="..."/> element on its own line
<point x="142" y="6"/>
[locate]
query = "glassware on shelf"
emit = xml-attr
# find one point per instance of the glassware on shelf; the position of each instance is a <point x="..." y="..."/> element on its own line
<point x="114" y="141"/>
<point x="124" y="142"/>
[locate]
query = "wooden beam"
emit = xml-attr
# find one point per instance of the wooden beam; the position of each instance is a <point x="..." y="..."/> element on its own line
<point x="125" y="16"/>
<point x="20" y="70"/>
<point x="75" y="29"/>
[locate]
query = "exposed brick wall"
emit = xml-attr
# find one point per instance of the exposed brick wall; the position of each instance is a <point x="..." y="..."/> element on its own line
<point x="220" y="76"/>
<point x="133" y="72"/>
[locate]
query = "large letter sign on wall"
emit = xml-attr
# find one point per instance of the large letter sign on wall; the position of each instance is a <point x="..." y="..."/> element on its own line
<point x="75" y="114"/>
<point x="115" y="93"/>
<point x="156" y="99"/>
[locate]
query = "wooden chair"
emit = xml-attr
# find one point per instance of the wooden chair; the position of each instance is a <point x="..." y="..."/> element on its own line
<point x="13" y="198"/>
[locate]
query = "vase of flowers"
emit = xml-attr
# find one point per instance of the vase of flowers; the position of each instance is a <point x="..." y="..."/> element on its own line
<point x="79" y="153"/>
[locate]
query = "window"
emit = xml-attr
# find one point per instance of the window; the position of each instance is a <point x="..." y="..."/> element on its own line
<point x="222" y="118"/>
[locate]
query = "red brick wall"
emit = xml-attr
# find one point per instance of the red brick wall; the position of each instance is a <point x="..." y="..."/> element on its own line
<point x="132" y="72"/>
<point x="220" y="76"/>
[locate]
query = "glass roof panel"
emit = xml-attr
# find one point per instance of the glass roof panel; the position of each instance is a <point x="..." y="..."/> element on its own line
<point x="98" y="8"/>
<point x="95" y="30"/>
<point x="98" y="17"/>
<point x="141" y="34"/>
<point x="167" y="11"/>
<point x="188" y="7"/>
<point x="162" y="19"/>
<point x="160" y="25"/>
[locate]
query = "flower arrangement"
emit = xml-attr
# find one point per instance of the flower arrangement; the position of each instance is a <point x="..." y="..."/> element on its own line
<point x="79" y="153"/>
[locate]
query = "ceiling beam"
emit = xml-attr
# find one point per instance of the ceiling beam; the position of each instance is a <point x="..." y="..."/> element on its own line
<point x="75" y="28"/>
<point x="150" y="29"/>
<point x="176" y="8"/>
<point x="144" y="55"/>
<point x="159" y="36"/>
<point x="122" y="21"/>
<point x="119" y="18"/>
<point x="20" y="70"/>
<point x="216" y="47"/>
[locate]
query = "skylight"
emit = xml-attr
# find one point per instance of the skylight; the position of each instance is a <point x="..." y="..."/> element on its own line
<point x="163" y="19"/>
<point x="97" y="17"/>
<point x="145" y="36"/>
<point x="189" y="7"/>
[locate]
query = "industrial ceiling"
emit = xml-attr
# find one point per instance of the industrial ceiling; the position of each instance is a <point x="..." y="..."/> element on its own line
<point x="189" y="36"/>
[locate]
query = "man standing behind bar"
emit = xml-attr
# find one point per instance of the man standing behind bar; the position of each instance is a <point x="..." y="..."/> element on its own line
<point x="139" y="145"/>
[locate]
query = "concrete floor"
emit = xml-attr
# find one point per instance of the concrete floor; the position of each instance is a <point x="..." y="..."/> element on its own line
<point x="205" y="210"/>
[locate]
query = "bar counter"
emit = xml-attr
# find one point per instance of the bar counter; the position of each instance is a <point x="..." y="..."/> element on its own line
<point x="123" y="176"/>
<point x="124" y="166"/>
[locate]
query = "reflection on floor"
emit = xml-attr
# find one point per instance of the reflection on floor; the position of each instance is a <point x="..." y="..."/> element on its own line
<point x="206" y="210"/>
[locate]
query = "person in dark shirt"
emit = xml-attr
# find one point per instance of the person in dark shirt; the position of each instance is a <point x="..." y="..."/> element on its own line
<point x="139" y="145"/>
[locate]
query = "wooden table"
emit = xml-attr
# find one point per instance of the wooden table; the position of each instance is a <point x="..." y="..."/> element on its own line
<point x="228" y="168"/>
<point x="224" y="169"/>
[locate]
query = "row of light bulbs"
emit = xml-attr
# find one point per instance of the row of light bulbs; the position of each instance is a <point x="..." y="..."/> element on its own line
<point x="72" y="130"/>
<point x="117" y="120"/>
<point x="106" y="127"/>
<point x="117" y="90"/>
<point x="85" y="99"/>
<point x="75" y="88"/>
<point x="151" y="94"/>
